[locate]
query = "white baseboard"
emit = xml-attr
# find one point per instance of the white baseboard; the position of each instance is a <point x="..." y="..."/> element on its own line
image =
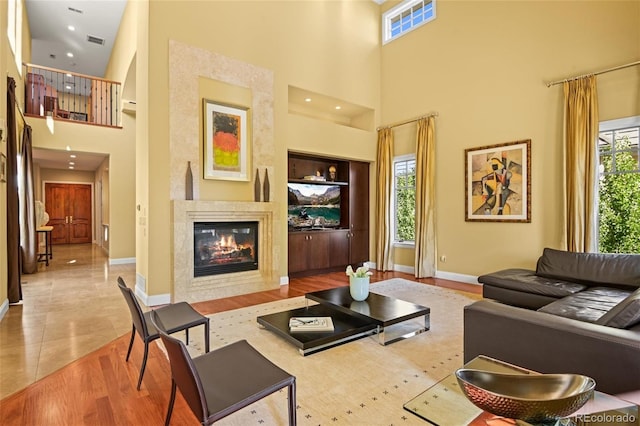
<point x="122" y="261"/>
<point x="469" y="279"/>
<point x="155" y="300"/>
<point x="453" y="276"/>
<point x="400" y="268"/>
<point x="404" y="268"/>
<point x="4" y="308"/>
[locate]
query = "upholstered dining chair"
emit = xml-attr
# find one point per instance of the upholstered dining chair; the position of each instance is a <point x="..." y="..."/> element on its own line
<point x="176" y="317"/>
<point x="223" y="381"/>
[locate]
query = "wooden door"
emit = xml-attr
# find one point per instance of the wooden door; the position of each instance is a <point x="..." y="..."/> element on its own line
<point x="359" y="211"/>
<point x="297" y="252"/>
<point x="56" y="202"/>
<point x="80" y="214"/>
<point x="69" y="209"/>
<point x="339" y="247"/>
<point x="318" y="250"/>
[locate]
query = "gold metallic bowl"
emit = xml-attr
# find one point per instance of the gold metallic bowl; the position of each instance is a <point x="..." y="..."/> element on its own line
<point x="534" y="398"/>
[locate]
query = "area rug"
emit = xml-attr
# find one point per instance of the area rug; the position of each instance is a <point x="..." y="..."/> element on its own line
<point x="360" y="382"/>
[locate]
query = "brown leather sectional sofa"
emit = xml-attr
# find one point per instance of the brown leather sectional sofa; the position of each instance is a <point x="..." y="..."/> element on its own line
<point x="576" y="313"/>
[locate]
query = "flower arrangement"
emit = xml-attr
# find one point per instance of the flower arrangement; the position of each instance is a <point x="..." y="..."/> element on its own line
<point x="361" y="272"/>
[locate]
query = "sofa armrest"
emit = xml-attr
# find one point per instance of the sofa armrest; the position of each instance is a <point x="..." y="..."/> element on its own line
<point x="549" y="344"/>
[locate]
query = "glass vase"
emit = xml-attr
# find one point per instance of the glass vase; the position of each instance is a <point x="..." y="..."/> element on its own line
<point x="359" y="288"/>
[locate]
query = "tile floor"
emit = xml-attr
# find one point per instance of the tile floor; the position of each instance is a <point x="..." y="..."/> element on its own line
<point x="69" y="309"/>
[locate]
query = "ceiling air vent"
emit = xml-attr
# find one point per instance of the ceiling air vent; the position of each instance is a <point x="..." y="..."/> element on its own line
<point x="96" y="40"/>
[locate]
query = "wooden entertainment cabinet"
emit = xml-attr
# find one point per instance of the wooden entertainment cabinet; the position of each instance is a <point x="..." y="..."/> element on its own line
<point x="331" y="249"/>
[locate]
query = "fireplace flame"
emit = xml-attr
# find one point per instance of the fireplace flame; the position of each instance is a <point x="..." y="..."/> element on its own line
<point x="228" y="241"/>
<point x="221" y="248"/>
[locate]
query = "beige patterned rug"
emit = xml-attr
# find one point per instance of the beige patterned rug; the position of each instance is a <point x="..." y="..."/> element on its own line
<point x="360" y="382"/>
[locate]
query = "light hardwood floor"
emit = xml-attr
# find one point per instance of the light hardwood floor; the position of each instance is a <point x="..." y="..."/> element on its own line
<point x="62" y="350"/>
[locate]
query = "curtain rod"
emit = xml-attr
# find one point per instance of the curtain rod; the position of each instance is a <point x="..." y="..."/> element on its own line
<point x="400" y="123"/>
<point x="631" y="64"/>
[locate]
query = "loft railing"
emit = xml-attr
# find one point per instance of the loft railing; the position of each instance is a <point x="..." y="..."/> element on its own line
<point x="65" y="95"/>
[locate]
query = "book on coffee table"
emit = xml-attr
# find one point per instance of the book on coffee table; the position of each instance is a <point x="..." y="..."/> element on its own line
<point x="306" y="324"/>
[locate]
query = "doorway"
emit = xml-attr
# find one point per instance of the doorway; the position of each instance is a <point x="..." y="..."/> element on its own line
<point x="69" y="209"/>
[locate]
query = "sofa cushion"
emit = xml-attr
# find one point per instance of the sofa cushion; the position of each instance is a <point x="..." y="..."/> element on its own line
<point x="527" y="281"/>
<point x="592" y="269"/>
<point x="625" y="314"/>
<point x="588" y="305"/>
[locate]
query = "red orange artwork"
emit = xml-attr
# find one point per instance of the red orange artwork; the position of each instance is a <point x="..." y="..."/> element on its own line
<point x="225" y="142"/>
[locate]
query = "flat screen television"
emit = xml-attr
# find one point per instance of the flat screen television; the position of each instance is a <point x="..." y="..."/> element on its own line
<point x="313" y="205"/>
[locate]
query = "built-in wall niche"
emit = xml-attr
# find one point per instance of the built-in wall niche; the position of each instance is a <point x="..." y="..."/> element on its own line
<point x="322" y="107"/>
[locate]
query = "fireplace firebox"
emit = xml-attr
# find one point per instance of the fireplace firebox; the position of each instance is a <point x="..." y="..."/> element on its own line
<point x="224" y="247"/>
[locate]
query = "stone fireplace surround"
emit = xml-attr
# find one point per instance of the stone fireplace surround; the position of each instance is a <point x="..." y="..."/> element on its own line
<point x="188" y="64"/>
<point x="190" y="289"/>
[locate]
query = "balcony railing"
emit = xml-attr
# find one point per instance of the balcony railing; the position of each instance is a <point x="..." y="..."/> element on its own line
<point x="65" y="95"/>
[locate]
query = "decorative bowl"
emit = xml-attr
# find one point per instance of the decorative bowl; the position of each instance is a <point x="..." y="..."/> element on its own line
<point x="534" y="398"/>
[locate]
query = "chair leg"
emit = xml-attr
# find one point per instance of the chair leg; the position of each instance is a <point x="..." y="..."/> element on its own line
<point x="144" y="362"/>
<point x="186" y="339"/>
<point x="206" y="336"/>
<point x="133" y="335"/>
<point x="172" y="399"/>
<point x="293" y="420"/>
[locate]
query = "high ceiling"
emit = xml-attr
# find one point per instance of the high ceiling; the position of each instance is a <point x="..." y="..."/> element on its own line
<point x="52" y="40"/>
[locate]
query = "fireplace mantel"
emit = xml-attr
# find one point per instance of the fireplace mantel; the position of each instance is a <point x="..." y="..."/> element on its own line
<point x="190" y="289"/>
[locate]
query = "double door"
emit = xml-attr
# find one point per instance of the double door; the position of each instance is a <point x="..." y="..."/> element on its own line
<point x="69" y="209"/>
<point x="317" y="251"/>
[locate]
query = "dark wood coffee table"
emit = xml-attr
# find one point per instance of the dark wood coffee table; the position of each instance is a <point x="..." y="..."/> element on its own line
<point x="351" y="319"/>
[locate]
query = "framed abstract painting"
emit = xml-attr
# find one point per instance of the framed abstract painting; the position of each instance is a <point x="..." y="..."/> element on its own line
<point x="226" y="146"/>
<point x="498" y="182"/>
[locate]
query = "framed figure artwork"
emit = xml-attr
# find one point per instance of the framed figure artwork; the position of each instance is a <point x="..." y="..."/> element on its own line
<point x="498" y="182"/>
<point x="226" y="145"/>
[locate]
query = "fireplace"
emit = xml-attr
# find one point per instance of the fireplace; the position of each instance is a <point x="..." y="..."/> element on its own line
<point x="189" y="288"/>
<point x="224" y="247"/>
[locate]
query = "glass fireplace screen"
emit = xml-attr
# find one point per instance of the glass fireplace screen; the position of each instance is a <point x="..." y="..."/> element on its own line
<point x="224" y="247"/>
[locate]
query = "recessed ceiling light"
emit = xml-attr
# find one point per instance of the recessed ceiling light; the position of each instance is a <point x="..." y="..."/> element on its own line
<point x="72" y="156"/>
<point x="338" y="107"/>
<point x="307" y="99"/>
<point x="70" y="55"/>
<point x="71" y="163"/>
<point x="71" y="28"/>
<point x="71" y="167"/>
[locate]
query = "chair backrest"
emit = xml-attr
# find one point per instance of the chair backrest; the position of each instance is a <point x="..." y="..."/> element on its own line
<point x="137" y="316"/>
<point x="183" y="372"/>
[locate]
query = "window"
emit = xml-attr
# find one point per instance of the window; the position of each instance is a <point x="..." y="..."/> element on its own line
<point x="407" y="16"/>
<point x="404" y="199"/>
<point x="14" y="30"/>
<point x="619" y="186"/>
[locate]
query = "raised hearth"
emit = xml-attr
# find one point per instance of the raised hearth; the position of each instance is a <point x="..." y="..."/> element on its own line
<point x="188" y="287"/>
